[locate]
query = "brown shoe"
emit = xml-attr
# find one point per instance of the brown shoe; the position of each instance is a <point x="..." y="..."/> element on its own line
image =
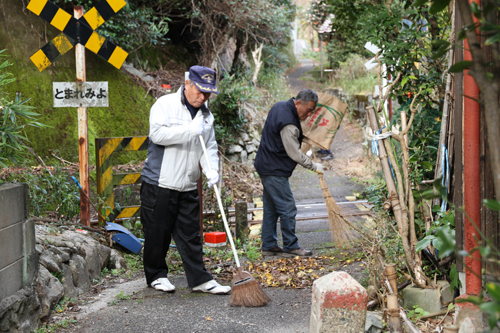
<point x="273" y="252"/>
<point x="298" y="252"/>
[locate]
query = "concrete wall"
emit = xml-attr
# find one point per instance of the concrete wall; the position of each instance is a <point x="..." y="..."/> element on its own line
<point x="18" y="258"/>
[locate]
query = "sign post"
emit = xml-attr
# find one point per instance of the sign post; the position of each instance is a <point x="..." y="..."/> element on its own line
<point x="83" y="135"/>
<point x="78" y="31"/>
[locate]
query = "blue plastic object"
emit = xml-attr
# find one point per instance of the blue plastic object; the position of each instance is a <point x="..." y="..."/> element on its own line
<point x="124" y="237"/>
<point x="77" y="182"/>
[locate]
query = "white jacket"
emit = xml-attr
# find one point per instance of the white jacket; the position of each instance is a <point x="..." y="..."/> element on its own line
<point x="174" y="151"/>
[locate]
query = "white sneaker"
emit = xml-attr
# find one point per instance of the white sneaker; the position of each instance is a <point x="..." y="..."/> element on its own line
<point x="212" y="287"/>
<point x="163" y="284"/>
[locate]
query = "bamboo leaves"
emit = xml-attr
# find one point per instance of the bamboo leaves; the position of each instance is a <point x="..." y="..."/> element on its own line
<point x="14" y="116"/>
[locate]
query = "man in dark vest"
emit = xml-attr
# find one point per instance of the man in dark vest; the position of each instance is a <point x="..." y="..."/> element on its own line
<point x="278" y="154"/>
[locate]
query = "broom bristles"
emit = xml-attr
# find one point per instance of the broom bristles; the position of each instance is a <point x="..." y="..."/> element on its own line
<point x="339" y="229"/>
<point x="248" y="294"/>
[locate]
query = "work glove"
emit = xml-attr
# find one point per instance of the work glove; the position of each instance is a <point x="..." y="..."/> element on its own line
<point x="318" y="167"/>
<point x="213" y="178"/>
<point x="197" y="126"/>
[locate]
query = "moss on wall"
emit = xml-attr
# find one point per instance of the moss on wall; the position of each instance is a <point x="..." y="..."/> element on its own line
<point x="22" y="34"/>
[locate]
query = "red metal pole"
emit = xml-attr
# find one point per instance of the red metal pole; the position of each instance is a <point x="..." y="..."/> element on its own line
<point x="472" y="181"/>
<point x="83" y="140"/>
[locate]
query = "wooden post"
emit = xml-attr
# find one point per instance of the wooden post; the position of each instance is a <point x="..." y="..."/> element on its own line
<point x="392" y="276"/>
<point x="393" y="307"/>
<point x="391" y="185"/>
<point x="321" y="52"/>
<point x="241" y="220"/>
<point x="403" y="126"/>
<point x="83" y="137"/>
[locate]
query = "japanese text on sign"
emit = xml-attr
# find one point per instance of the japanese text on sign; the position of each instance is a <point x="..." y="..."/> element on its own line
<point x="80" y="94"/>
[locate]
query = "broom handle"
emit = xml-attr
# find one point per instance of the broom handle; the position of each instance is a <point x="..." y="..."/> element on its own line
<point x="221" y="207"/>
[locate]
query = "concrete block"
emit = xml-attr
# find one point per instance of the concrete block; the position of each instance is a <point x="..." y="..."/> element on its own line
<point x="30" y="269"/>
<point x="427" y="299"/>
<point x="338" y="304"/>
<point x="29" y="237"/>
<point x="13" y="206"/>
<point x="11" y="240"/>
<point x="11" y="279"/>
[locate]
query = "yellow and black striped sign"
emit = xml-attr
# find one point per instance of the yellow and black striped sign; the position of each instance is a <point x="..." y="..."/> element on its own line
<point x="107" y="181"/>
<point x="77" y="31"/>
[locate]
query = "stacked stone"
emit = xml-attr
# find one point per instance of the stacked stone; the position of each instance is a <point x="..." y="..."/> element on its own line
<point x="246" y="149"/>
<point x="68" y="264"/>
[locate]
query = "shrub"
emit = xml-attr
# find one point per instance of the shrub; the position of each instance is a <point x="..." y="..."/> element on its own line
<point x="14" y="116"/>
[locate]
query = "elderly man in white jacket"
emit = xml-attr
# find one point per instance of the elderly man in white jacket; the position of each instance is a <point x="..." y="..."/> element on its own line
<point x="169" y="195"/>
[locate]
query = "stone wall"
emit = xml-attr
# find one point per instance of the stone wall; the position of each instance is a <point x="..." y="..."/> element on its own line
<point x="246" y="148"/>
<point x="69" y="263"/>
<point x="40" y="265"/>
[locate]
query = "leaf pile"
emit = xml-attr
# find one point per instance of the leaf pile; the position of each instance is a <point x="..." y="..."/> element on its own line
<point x="290" y="273"/>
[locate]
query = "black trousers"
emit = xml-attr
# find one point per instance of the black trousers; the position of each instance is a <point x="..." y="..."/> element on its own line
<point x="168" y="213"/>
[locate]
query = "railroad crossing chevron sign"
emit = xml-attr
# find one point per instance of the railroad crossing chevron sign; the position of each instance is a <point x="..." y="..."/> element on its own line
<point x="107" y="180"/>
<point x="77" y="31"/>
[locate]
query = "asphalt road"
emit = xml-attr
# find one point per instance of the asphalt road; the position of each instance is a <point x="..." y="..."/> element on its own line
<point x="183" y="311"/>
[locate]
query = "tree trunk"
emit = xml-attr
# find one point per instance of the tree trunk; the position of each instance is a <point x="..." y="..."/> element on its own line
<point x="256" y="55"/>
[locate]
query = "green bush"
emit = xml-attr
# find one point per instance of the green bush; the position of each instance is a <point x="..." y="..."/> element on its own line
<point x="353" y="77"/>
<point x="51" y="192"/>
<point x="14" y="116"/>
<point x="226" y="108"/>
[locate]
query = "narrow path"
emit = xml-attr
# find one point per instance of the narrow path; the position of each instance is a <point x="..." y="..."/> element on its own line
<point x="314" y="233"/>
<point x="296" y="84"/>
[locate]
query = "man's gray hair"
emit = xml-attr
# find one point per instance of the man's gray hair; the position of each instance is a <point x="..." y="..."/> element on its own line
<point x="190" y="82"/>
<point x="307" y="95"/>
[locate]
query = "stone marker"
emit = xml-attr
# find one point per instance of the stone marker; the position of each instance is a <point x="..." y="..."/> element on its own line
<point x="338" y="304"/>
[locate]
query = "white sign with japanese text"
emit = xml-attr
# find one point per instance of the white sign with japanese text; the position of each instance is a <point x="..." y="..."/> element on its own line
<point x="80" y="94"/>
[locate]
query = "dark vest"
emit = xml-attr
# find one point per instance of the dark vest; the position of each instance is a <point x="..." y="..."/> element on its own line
<point x="272" y="159"/>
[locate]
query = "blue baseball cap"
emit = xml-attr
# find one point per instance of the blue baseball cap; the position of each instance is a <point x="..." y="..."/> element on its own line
<point x="204" y="78"/>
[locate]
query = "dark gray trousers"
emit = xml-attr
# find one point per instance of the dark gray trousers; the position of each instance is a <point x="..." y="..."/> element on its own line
<point x="165" y="214"/>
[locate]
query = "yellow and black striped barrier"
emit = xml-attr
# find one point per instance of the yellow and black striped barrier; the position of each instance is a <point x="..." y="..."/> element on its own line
<point x="107" y="180"/>
<point x="77" y="31"/>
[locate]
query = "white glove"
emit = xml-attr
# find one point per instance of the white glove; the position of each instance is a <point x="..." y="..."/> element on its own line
<point x="197" y="126"/>
<point x="318" y="167"/>
<point x="213" y="178"/>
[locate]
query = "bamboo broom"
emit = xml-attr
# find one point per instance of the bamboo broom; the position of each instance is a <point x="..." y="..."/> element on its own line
<point x="246" y="291"/>
<point x="338" y="228"/>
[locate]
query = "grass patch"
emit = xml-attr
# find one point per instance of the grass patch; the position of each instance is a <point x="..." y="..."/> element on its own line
<point x="63" y="304"/>
<point x="63" y="324"/>
<point x="120" y="297"/>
